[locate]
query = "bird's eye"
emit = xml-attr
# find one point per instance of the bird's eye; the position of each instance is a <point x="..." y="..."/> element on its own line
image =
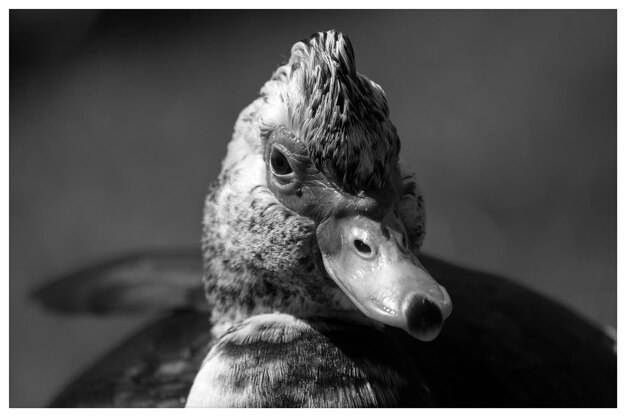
<point x="279" y="163"/>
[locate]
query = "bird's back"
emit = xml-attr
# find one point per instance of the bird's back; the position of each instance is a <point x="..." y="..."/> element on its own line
<point x="508" y="346"/>
<point x="504" y="346"/>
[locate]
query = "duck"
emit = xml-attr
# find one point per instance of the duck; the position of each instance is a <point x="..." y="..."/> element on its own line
<point x="310" y="289"/>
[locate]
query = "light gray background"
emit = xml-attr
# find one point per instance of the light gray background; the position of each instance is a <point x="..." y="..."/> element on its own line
<point x="119" y="121"/>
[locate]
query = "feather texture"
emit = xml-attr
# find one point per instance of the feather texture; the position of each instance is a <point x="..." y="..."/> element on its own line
<point x="277" y="360"/>
<point x="340" y="115"/>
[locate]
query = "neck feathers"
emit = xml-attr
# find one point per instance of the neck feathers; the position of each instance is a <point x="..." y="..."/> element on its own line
<point x="260" y="257"/>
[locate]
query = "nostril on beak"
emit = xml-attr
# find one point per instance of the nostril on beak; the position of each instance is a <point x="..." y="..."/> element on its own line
<point x="424" y="318"/>
<point x="362" y="247"/>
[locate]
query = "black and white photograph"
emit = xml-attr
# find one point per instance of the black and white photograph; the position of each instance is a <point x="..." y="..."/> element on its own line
<point x="323" y="208"/>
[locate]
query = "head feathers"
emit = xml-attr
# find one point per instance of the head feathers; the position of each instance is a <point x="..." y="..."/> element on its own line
<point x="340" y="115"/>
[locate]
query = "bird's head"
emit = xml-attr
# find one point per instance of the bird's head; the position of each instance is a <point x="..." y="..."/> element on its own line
<point x="316" y="158"/>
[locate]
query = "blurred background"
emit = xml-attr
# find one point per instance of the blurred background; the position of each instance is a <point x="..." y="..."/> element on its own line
<point x="119" y="121"/>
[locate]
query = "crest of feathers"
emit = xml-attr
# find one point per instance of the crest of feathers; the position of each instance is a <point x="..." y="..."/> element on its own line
<point x="340" y="115"/>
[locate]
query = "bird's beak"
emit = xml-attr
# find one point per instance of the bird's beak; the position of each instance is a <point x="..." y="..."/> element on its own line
<point x="373" y="264"/>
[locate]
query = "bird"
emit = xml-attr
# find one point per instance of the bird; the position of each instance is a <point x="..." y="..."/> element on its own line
<point x="310" y="288"/>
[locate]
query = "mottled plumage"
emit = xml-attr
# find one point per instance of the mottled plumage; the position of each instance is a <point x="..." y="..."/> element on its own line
<point x="277" y="360"/>
<point x="340" y="115"/>
<point x="258" y="257"/>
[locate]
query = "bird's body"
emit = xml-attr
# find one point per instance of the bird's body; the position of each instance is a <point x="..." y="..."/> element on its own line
<point x="505" y="346"/>
<point x="311" y="238"/>
<point x="303" y="232"/>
